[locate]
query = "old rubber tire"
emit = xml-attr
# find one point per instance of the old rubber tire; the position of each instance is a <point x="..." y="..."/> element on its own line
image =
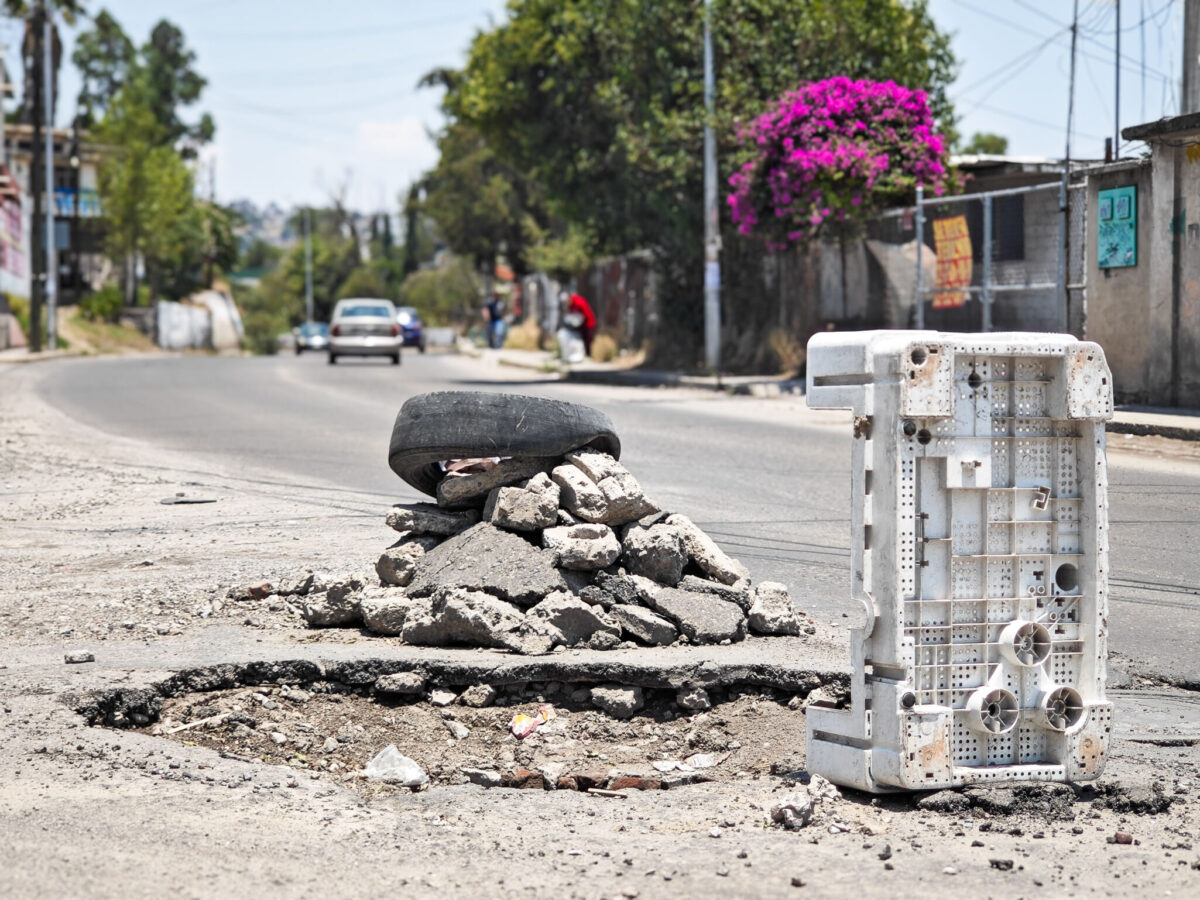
<point x="432" y="428"/>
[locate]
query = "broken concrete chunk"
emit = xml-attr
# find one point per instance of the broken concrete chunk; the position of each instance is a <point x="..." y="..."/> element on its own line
<point x="596" y="596"/>
<point x="639" y="623"/>
<point x="693" y="698"/>
<point x="459" y="616"/>
<point x="702" y="618"/>
<point x="793" y="811"/>
<point x="595" y="464"/>
<point x="426" y="518"/>
<point x="583" y="547"/>
<point x="622" y="589"/>
<point x="737" y="592"/>
<point x="397" y="565"/>
<point x="617" y="700"/>
<point x="442" y="697"/>
<point x="576" y="620"/>
<point x="483" y="777"/>
<point x="400" y="683"/>
<point x="603" y="640"/>
<point x="579" y="495"/>
<point x="773" y="611"/>
<point x="338" y="605"/>
<point x="487" y="558"/>
<point x="655" y="552"/>
<point x="626" y="500"/>
<point x="78" y="657"/>
<point x="527" y="508"/>
<point x="565" y="518"/>
<point x="705" y="553"/>
<point x="478" y="696"/>
<point x="387" y="613"/>
<point x="296" y="584"/>
<point x="457" y="491"/>
<point x="393" y="767"/>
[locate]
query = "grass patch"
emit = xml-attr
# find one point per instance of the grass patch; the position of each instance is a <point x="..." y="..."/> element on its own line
<point x="103" y="337"/>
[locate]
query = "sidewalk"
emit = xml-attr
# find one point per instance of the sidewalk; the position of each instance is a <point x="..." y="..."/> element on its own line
<point x="1176" y="424"/>
<point x="22" y="355"/>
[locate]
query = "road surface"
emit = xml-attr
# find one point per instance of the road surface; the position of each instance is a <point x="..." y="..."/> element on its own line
<point x="768" y="479"/>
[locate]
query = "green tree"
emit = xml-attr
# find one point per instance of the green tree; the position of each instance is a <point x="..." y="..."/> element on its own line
<point x="986" y="143"/>
<point x="602" y="102"/>
<point x="147" y="192"/>
<point x="105" y="58"/>
<point x="483" y="208"/>
<point x="173" y="83"/>
<point x="419" y="241"/>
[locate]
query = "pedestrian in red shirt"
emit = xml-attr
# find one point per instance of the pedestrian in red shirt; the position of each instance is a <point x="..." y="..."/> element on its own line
<point x="574" y="307"/>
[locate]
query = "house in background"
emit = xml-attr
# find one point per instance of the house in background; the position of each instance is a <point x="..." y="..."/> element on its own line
<point x="78" y="224"/>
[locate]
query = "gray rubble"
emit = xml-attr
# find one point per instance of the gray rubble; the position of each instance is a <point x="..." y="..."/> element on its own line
<point x="537" y="555"/>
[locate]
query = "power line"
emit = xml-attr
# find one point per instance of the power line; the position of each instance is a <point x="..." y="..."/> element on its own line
<point x="326" y="34"/>
<point x="1028" y="55"/>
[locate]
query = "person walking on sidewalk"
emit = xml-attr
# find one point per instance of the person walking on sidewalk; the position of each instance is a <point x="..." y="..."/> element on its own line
<point x="577" y="313"/>
<point x="493" y="312"/>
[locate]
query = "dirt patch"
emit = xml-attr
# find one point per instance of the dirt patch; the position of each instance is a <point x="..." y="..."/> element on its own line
<point x="336" y="729"/>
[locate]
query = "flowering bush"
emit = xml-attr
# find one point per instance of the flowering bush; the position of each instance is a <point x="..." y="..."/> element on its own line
<point x="832" y="151"/>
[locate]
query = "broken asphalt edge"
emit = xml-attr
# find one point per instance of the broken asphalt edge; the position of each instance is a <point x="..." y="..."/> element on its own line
<point x="129" y="674"/>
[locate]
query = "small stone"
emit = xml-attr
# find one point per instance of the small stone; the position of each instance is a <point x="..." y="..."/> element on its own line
<point x="330" y="745"/>
<point x="949" y="870"/>
<point x="793" y="811"/>
<point x="397" y="565"/>
<point x="1004" y="865"/>
<point x="773" y="612"/>
<point x="458" y="730"/>
<point x="260" y="591"/>
<point x="643" y="625"/>
<point x="442" y="697"/>
<point x="595" y="464"/>
<point x="634" y="783"/>
<point x="603" y="640"/>
<point x="279" y="738"/>
<point x="527" y="508"/>
<point x="705" y="553"/>
<point x="886" y="853"/>
<point x="425" y="518"/>
<point x="483" y="777"/>
<point x="296" y="585"/>
<point x="797" y="881"/>
<point x="456" y="491"/>
<point x="79" y="656"/>
<point x="522" y="778"/>
<point x="618" y="701"/>
<point x="693" y="698"/>
<point x="1122" y="837"/>
<point x="582" y="547"/>
<point x="574" y="619"/>
<point x="702" y="618"/>
<point x="338" y="605"/>
<point x="655" y="552"/>
<point x="391" y="766"/>
<point x="400" y="683"/>
<point x="579" y="495"/>
<point x="625" y="498"/>
<point x="478" y="696"/>
<point x="552" y="773"/>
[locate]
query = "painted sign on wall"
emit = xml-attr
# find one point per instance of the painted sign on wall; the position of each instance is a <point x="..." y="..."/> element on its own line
<point x="952" y="243"/>
<point x="1116" y="211"/>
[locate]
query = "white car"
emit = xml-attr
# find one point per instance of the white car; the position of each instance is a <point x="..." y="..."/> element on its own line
<point x="364" y="326"/>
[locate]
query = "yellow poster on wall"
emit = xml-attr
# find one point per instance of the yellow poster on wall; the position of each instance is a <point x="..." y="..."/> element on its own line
<point x="952" y="243"/>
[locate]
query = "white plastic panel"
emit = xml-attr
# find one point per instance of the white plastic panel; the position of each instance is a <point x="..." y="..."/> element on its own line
<point x="979" y="467"/>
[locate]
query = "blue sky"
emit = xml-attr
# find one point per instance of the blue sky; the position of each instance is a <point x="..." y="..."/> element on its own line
<point x="309" y="95"/>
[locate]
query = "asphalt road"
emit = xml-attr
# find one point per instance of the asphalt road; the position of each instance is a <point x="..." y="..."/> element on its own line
<point x="769" y="480"/>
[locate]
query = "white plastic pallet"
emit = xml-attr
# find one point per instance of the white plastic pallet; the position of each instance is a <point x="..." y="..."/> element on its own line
<point x="980" y="555"/>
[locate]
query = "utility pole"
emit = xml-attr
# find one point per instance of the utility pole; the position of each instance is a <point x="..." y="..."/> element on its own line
<point x="1190" y="96"/>
<point x="1117" y="90"/>
<point x="712" y="236"/>
<point x="1064" y="193"/>
<point x="51" y="249"/>
<point x="36" y="231"/>
<point x="308" y="292"/>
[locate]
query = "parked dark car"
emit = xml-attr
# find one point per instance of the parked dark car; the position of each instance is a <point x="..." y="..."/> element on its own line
<point x="311" y="336"/>
<point x="411" y="327"/>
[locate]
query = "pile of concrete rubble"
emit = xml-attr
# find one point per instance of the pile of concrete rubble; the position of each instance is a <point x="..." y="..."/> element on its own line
<point x="531" y="555"/>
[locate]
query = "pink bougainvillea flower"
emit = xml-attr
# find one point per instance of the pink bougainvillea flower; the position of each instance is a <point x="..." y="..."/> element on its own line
<point x="834" y="150"/>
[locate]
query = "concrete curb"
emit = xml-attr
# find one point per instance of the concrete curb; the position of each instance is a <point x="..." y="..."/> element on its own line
<point x="41" y="357"/>
<point x="1147" y="429"/>
<point x="748" y="385"/>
